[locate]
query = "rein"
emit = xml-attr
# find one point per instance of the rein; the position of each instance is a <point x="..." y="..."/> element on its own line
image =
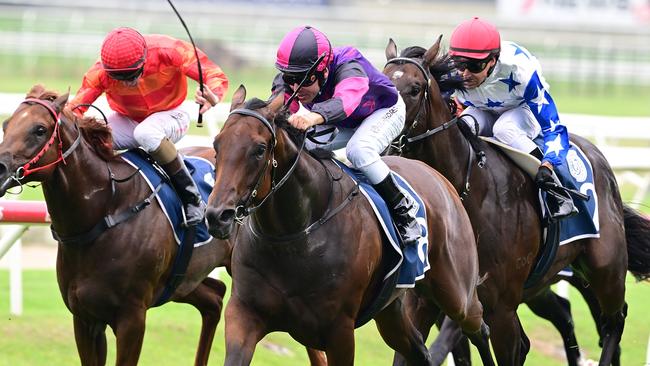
<point x="244" y="210"/>
<point x="404" y="139"/>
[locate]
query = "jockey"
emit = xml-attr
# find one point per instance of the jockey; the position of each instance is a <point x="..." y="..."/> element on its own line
<point x="347" y="92"/>
<point x="144" y="78"/>
<point x="508" y="96"/>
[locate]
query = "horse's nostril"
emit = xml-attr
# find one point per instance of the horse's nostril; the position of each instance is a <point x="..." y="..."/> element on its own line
<point x="227" y="216"/>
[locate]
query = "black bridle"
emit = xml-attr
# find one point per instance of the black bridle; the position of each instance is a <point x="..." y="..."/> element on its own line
<point x="423" y="107"/>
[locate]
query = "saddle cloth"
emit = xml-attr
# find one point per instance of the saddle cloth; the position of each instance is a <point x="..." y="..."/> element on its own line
<point x="576" y="173"/>
<point x="202" y="172"/>
<point x="410" y="263"/>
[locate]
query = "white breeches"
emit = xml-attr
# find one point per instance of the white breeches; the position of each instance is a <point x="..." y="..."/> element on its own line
<point x="365" y="143"/>
<point x="127" y="133"/>
<point x="516" y="127"/>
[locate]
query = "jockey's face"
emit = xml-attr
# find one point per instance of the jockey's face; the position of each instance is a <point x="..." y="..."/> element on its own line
<point x="474" y="72"/>
<point x="309" y="90"/>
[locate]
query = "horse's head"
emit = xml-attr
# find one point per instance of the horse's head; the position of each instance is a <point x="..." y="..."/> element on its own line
<point x="420" y="75"/>
<point x="245" y="158"/>
<point x="31" y="138"/>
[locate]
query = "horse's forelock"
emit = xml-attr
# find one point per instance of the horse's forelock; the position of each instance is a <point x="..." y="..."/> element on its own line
<point x="413" y="52"/>
<point x="38" y="91"/>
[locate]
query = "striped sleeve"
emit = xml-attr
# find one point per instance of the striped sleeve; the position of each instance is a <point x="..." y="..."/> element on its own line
<point x="91" y="88"/>
<point x="213" y="76"/>
<point x="279" y="86"/>
<point x="352" y="84"/>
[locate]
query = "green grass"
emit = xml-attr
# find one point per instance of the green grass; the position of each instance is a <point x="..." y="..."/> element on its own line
<point x="44" y="335"/>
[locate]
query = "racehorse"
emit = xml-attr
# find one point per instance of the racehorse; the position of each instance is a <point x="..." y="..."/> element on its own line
<point x="114" y="278"/>
<point x="307" y="259"/>
<point x="503" y="207"/>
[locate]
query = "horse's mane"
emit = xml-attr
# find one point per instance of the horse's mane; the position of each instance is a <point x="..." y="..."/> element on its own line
<point x="96" y="133"/>
<point x="442" y="70"/>
<point x="282" y="121"/>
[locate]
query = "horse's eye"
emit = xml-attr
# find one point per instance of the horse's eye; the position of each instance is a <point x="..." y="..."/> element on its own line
<point x="415" y="90"/>
<point x="39" y="131"/>
<point x="259" y="151"/>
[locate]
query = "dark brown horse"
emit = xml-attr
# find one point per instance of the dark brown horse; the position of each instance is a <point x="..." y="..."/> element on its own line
<point x="113" y="279"/>
<point x="504" y="210"/>
<point x="308" y="259"/>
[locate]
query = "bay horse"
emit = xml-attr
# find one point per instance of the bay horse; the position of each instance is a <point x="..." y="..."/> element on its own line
<point x="307" y="259"/>
<point x="113" y="279"/>
<point x="505" y="214"/>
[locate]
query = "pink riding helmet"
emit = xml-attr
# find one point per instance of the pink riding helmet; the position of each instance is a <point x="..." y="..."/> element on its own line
<point x="300" y="49"/>
<point x="475" y="39"/>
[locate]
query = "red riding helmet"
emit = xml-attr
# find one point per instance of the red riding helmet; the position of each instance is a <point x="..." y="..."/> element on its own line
<point x="476" y="39"/>
<point x="124" y="49"/>
<point x="300" y="49"/>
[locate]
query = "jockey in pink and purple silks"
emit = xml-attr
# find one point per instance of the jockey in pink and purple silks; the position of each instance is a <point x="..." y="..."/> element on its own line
<point x="347" y="92"/>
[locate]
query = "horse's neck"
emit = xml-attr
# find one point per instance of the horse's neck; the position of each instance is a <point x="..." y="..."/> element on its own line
<point x="78" y="191"/>
<point x="301" y="199"/>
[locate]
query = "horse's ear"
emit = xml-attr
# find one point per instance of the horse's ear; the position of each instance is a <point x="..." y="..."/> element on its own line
<point x="276" y="103"/>
<point x="391" y="50"/>
<point x="432" y="53"/>
<point x="61" y="101"/>
<point x="238" y="98"/>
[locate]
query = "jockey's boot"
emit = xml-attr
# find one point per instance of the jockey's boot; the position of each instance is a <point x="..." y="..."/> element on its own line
<point x="171" y="162"/>
<point x="402" y="209"/>
<point x="558" y="201"/>
<point x="537" y="152"/>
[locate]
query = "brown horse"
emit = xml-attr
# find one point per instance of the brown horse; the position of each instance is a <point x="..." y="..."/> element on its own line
<point x="308" y="259"/>
<point x="113" y="279"/>
<point x="504" y="211"/>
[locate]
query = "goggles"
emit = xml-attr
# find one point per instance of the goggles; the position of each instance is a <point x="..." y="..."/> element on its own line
<point x="291" y="79"/>
<point x="126" y="75"/>
<point x="474" y="66"/>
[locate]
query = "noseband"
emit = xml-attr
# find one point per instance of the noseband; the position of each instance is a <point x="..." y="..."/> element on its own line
<point x="245" y="209"/>
<point x="26" y="169"/>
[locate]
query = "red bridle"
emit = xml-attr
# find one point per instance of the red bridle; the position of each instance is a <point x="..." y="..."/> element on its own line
<point x="26" y="169"/>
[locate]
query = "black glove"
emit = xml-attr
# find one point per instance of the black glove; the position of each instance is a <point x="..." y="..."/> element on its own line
<point x="544" y="178"/>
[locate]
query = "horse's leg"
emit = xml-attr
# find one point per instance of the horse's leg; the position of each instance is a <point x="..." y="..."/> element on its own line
<point x="316" y="357"/>
<point x="423" y="315"/>
<point x="401" y="335"/>
<point x="507" y="337"/>
<point x="91" y="342"/>
<point x="557" y="310"/>
<point x="243" y="330"/>
<point x="207" y="298"/>
<point x="129" y="335"/>
<point x="450" y="334"/>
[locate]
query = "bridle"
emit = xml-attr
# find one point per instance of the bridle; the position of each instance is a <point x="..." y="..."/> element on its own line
<point x="29" y="167"/>
<point x="404" y="139"/>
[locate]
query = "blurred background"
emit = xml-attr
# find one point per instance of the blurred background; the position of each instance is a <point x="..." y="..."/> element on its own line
<point x="594" y="53"/>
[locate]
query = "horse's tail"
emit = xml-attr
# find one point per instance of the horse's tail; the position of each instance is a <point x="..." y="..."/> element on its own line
<point x="637" y="235"/>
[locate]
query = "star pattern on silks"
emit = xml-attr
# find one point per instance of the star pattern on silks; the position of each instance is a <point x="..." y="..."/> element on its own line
<point x="554" y="146"/>
<point x="467" y="103"/>
<point x="553" y="124"/>
<point x="511" y="82"/>
<point x="518" y="51"/>
<point x="540" y="99"/>
<point x="493" y="103"/>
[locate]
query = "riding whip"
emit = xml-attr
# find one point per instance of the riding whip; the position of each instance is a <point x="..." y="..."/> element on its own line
<point x="199" y="121"/>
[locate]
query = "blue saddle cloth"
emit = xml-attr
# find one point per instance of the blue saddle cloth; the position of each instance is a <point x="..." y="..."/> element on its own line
<point x="576" y="173"/>
<point x="203" y="174"/>
<point x="412" y="262"/>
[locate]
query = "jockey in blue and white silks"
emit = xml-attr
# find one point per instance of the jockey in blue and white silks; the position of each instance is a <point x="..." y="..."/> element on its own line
<point x="507" y="94"/>
<point x="347" y="92"/>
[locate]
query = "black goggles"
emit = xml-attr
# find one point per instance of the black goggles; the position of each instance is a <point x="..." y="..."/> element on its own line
<point x="474" y="66"/>
<point x="291" y="79"/>
<point x="126" y="75"/>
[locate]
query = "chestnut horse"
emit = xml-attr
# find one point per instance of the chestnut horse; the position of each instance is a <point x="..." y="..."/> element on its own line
<point x="504" y="210"/>
<point x="308" y="259"/>
<point x="112" y="279"/>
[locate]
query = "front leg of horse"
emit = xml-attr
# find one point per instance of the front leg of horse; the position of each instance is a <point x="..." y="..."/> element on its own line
<point x="423" y="315"/>
<point x="207" y="298"/>
<point x="508" y="339"/>
<point x="129" y="333"/>
<point x="557" y="310"/>
<point x="449" y="337"/>
<point x="91" y="341"/>
<point x="400" y="334"/>
<point x="244" y="329"/>
<point x="339" y="347"/>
